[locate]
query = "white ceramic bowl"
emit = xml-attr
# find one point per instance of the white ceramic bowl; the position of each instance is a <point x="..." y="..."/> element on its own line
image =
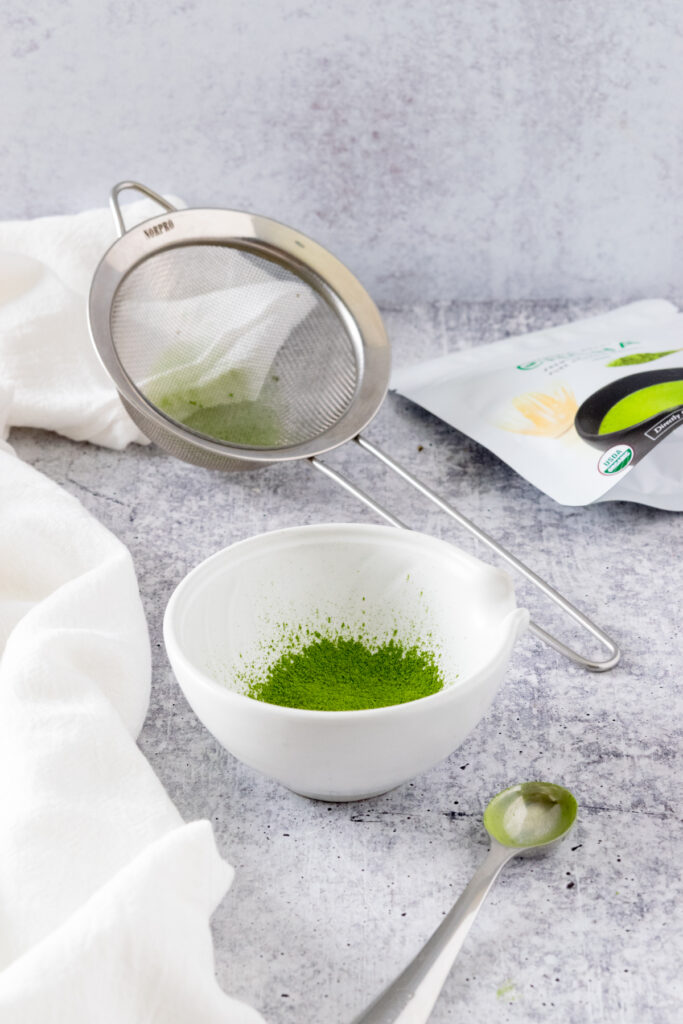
<point x="229" y="611"/>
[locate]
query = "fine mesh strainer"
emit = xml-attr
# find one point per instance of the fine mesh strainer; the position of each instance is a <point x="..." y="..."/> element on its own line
<point x="236" y="342"/>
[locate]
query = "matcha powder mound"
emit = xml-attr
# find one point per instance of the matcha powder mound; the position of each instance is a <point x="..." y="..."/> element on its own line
<point x="346" y="675"/>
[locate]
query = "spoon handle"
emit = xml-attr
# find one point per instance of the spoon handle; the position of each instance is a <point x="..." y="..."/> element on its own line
<point x="410" y="998"/>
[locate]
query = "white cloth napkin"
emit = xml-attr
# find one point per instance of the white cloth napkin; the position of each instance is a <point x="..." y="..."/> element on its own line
<point x="46" y="357"/>
<point x="105" y="895"/>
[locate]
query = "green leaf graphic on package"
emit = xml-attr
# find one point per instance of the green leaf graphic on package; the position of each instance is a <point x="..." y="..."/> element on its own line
<point x="641" y="357"/>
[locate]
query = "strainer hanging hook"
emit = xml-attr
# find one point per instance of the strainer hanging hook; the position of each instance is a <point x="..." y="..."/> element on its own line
<point x="137" y="187"/>
<point x="299" y="359"/>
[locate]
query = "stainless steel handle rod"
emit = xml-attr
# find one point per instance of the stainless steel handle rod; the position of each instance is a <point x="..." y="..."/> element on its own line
<point x="545" y="588"/>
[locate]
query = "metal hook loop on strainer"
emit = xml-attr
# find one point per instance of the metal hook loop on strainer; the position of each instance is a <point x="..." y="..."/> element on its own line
<point x="236" y="342"/>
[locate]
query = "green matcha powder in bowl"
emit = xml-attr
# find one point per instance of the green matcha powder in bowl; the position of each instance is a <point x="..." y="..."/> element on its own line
<point x="342" y="660"/>
<point x="346" y="673"/>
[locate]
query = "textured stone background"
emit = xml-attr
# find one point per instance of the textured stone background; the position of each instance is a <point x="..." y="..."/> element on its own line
<point x="478" y="149"/>
<point x="330" y="901"/>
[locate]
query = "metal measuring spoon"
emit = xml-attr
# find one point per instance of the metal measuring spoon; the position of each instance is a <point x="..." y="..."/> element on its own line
<point x="532" y="816"/>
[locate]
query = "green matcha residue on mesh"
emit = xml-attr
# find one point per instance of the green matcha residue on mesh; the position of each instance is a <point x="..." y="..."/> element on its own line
<point x="347" y="674"/>
<point x="225" y="407"/>
<point x="641" y="357"/>
<point x="247" y="423"/>
<point x="641" y="405"/>
<point x="226" y="418"/>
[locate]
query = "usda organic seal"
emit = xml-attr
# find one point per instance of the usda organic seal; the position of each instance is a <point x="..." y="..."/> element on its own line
<point x="615" y="459"/>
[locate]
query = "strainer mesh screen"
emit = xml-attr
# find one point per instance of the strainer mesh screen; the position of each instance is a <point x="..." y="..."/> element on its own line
<point x="234" y="346"/>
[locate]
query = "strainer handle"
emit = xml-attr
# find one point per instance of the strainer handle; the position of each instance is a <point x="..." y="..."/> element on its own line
<point x="137" y="187"/>
<point x="529" y="574"/>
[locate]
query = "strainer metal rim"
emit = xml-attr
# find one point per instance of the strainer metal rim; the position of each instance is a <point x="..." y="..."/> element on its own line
<point x="281" y="244"/>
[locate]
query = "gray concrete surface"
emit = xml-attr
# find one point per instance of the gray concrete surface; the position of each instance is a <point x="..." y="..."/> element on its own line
<point x="484" y="149"/>
<point x="330" y="901"/>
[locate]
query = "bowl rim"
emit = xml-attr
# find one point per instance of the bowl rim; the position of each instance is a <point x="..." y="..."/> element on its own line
<point x="511" y="625"/>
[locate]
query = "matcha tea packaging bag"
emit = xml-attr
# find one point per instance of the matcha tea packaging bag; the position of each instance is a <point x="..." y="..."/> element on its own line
<point x="586" y="412"/>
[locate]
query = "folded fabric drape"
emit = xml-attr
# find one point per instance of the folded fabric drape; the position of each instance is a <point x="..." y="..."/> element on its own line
<point x="105" y="894"/>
